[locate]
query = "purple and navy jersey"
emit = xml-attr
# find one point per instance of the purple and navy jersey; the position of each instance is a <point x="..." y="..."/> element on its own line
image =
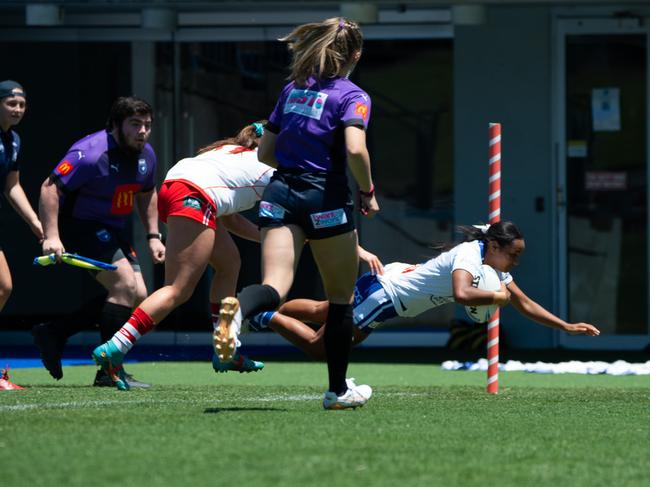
<point x="310" y="122"/>
<point x="99" y="181"/>
<point x="9" y="149"/>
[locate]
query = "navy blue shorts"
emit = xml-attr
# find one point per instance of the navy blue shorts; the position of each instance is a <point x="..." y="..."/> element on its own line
<point x="372" y="305"/>
<point x="97" y="241"/>
<point x="318" y="202"/>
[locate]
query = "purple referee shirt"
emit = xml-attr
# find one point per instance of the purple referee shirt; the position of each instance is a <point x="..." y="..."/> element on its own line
<point x="310" y="122"/>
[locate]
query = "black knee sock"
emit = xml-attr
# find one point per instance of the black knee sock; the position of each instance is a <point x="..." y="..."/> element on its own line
<point x="112" y="318"/>
<point x="338" y="342"/>
<point x="256" y="298"/>
<point x="85" y="317"/>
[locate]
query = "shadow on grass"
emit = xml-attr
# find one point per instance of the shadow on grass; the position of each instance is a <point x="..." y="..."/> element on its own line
<point x="238" y="409"/>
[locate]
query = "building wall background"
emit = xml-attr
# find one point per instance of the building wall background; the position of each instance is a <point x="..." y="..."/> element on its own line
<point x="502" y="73"/>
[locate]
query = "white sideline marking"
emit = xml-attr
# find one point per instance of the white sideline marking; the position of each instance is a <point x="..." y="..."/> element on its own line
<point x="207" y="402"/>
<point x="74" y="404"/>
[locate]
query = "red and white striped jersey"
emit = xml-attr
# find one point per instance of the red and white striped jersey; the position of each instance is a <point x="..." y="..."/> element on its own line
<point x="232" y="178"/>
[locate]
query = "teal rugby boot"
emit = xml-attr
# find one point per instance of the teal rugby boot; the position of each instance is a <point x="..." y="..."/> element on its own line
<point x="240" y="363"/>
<point x="110" y="359"/>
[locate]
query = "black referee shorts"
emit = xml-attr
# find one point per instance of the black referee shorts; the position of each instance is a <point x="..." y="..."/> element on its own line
<point x="318" y="202"/>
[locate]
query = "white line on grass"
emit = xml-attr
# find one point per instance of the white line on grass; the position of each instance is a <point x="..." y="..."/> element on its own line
<point x="72" y="405"/>
<point x="207" y="402"/>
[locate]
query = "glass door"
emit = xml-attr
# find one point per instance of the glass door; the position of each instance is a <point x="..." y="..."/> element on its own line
<point x="602" y="180"/>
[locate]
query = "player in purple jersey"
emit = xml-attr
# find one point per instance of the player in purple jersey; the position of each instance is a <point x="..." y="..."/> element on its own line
<point x="88" y="197"/>
<point x="13" y="103"/>
<point x="316" y="129"/>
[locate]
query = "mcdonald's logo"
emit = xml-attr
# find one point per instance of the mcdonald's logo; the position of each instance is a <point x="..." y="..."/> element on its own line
<point x="64" y="168"/>
<point x="123" y="198"/>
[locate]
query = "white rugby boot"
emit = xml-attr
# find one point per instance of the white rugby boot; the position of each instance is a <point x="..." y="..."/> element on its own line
<point x="356" y="396"/>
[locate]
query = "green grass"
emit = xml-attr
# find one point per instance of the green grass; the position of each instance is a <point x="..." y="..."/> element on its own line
<point x="424" y="426"/>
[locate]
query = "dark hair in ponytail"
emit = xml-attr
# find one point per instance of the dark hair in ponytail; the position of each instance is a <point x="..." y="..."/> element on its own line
<point x="248" y="138"/>
<point x="503" y="233"/>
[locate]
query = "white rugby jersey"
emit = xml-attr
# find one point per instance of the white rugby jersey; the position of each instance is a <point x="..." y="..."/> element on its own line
<point x="234" y="181"/>
<point x="413" y="289"/>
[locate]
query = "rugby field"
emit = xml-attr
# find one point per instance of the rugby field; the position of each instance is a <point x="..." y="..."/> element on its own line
<point x="423" y="427"/>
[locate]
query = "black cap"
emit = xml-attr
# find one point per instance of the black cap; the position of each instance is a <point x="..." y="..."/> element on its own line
<point x="7" y="88"/>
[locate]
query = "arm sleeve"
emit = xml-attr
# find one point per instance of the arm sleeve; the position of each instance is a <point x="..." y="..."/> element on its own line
<point x="73" y="171"/>
<point x="355" y="110"/>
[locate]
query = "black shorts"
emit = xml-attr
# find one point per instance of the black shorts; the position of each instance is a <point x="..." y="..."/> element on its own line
<point x="318" y="202"/>
<point x="97" y="241"/>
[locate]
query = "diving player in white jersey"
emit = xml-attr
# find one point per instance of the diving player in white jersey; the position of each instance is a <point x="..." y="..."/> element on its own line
<point x="199" y="200"/>
<point x="408" y="290"/>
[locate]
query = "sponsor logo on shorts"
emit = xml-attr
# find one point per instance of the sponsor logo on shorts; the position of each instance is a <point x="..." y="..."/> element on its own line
<point x="64" y="168"/>
<point x="306" y="102"/>
<point x="123" y="199"/>
<point x="103" y="235"/>
<point x="191" y="202"/>
<point x="142" y="166"/>
<point x="326" y="219"/>
<point x="269" y="210"/>
<point x="361" y="109"/>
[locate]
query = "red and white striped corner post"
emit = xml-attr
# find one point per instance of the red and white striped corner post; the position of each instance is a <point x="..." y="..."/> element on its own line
<point x="494" y="204"/>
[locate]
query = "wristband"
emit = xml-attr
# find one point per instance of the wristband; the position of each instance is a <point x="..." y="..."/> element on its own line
<point x="368" y="194"/>
<point x="151" y="236"/>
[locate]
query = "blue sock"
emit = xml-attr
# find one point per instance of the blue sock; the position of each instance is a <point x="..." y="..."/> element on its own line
<point x="261" y="320"/>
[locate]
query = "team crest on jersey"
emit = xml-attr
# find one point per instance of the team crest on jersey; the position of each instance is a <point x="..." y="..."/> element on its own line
<point x="269" y="210"/>
<point x="142" y="166"/>
<point x="308" y="103"/>
<point x="361" y="109"/>
<point x="326" y="219"/>
<point x="64" y="168"/>
<point x="103" y="235"/>
<point x="193" y="203"/>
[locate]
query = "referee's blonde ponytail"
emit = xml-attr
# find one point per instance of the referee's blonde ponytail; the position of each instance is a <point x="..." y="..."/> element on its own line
<point x="323" y="49"/>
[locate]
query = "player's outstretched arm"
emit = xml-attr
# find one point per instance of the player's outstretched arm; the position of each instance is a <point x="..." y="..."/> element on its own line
<point x="537" y="313"/>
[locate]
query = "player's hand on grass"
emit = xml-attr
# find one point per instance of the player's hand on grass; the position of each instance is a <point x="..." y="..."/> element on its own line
<point x="582" y="329"/>
<point x="376" y="267"/>
<point x="53" y="245"/>
<point x="157" y="250"/>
